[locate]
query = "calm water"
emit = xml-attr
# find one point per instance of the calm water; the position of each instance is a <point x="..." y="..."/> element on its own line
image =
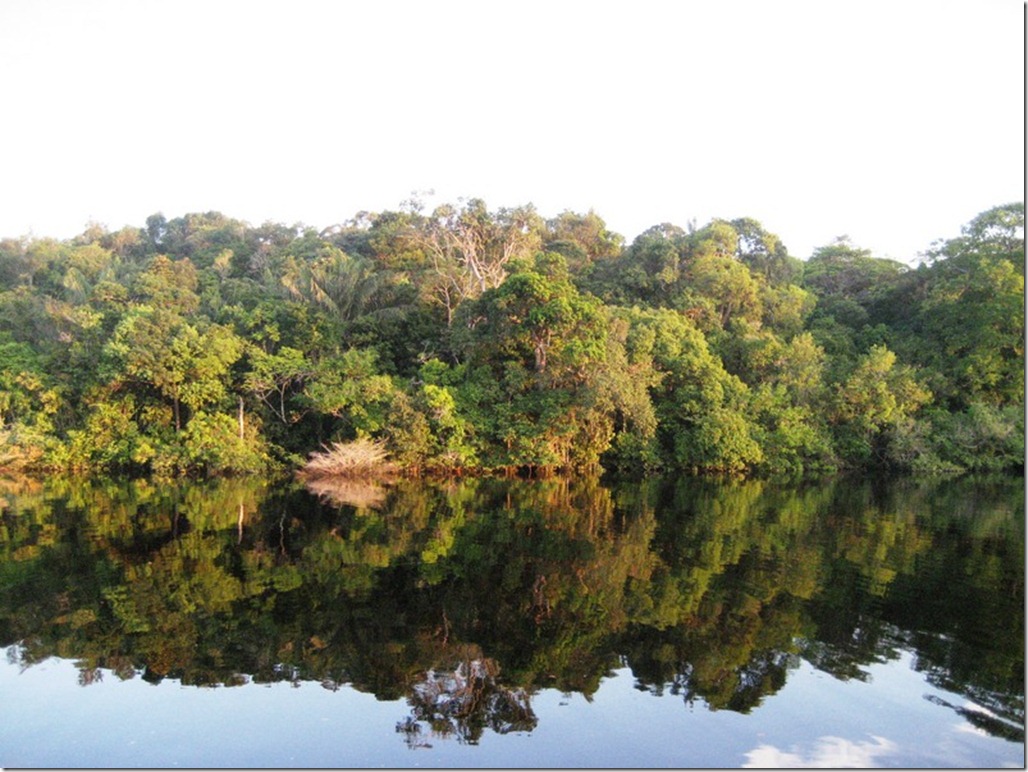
<point x="499" y="623"/>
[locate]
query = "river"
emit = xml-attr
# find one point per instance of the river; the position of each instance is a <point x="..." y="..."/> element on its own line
<point x="524" y="623"/>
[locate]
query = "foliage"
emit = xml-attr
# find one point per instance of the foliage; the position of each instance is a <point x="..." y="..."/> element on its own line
<point x="877" y="397"/>
<point x="471" y="339"/>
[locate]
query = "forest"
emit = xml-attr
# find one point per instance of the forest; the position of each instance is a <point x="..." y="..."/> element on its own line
<point x="464" y="340"/>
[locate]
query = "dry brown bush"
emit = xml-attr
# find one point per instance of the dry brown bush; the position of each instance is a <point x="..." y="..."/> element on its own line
<point x="359" y="458"/>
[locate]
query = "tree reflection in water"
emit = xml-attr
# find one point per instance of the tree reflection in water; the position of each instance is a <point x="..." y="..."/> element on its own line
<point x="467" y="597"/>
<point x="462" y="702"/>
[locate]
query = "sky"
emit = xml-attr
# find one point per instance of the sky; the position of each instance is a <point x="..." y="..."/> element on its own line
<point x="893" y="122"/>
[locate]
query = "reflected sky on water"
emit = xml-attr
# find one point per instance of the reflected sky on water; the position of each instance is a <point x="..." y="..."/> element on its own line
<point x="814" y="721"/>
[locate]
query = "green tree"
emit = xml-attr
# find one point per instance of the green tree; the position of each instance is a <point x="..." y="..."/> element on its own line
<point x="186" y="365"/>
<point x="583" y="239"/>
<point x="765" y="254"/>
<point x="352" y="388"/>
<point x="877" y="396"/>
<point x="274" y="377"/>
<point x="542" y="343"/>
<point x="971" y="320"/>
<point x="169" y="285"/>
<point x="700" y="408"/>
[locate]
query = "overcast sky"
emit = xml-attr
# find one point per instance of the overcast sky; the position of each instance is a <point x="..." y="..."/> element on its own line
<point x="894" y="122"/>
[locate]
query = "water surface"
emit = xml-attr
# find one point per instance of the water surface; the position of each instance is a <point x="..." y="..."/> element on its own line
<point x="513" y="623"/>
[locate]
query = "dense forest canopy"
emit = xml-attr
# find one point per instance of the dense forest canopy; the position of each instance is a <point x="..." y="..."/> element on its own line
<point x="470" y="339"/>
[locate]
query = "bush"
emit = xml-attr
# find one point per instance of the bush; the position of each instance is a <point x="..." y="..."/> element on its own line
<point x="211" y="443"/>
<point x="983" y="438"/>
<point x="362" y="457"/>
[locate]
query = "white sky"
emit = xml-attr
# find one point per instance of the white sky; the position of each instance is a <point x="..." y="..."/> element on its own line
<point x="893" y="121"/>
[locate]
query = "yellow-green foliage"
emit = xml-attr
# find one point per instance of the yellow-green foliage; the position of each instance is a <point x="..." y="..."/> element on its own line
<point x="478" y="340"/>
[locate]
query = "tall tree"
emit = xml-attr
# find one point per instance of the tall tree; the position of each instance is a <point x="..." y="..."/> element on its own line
<point x="467" y="250"/>
<point x="971" y="319"/>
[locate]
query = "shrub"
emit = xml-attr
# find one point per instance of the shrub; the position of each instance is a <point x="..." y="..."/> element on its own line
<point x="362" y="457"/>
<point x="211" y="443"/>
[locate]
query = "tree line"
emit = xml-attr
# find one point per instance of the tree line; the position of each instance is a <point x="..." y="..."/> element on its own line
<point x="472" y="340"/>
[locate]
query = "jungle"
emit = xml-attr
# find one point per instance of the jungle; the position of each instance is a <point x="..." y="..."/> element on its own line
<point x="466" y="340"/>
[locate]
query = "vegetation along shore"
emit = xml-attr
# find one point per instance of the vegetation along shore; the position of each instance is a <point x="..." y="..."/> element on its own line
<point x="469" y="340"/>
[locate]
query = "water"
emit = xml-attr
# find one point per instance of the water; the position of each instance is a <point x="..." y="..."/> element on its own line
<point x="493" y="623"/>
